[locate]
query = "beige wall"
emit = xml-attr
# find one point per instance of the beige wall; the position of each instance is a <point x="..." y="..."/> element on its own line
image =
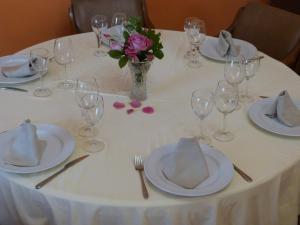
<point x="24" y="23"/>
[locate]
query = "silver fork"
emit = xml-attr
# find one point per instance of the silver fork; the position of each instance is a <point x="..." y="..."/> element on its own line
<point x="139" y="166"/>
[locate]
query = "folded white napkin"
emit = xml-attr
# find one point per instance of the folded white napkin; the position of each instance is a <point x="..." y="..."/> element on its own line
<point x="226" y="46"/>
<point x="285" y="110"/>
<point x="19" y="70"/>
<point x="186" y="166"/>
<point x="26" y="149"/>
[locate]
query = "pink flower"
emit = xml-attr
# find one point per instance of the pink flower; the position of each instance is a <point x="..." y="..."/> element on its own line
<point x="135" y="103"/>
<point x="150" y="57"/>
<point x="139" y="42"/>
<point x="131" y="53"/>
<point x="129" y="111"/>
<point x="119" y="105"/>
<point x="115" y="45"/>
<point x="148" y="110"/>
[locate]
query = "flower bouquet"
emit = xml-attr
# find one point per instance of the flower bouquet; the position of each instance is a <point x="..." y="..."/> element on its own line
<point x="139" y="48"/>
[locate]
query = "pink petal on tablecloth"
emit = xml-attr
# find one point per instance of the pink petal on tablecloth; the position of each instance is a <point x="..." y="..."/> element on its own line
<point x="129" y="111"/>
<point x="119" y="105"/>
<point x="135" y="103"/>
<point x="148" y="110"/>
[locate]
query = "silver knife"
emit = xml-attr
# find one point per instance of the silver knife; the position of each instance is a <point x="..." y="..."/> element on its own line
<point x="67" y="166"/>
<point x="14" y="89"/>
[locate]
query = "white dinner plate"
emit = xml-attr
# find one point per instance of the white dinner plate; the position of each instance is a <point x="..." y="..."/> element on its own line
<point x="209" y="49"/>
<point x="257" y="113"/>
<point x="219" y="166"/>
<point x="59" y="146"/>
<point x="16" y="60"/>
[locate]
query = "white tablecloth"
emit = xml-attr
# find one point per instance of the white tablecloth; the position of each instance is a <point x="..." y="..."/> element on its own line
<point x="105" y="189"/>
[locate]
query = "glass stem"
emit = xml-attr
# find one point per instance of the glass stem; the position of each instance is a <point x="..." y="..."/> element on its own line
<point x="201" y="128"/>
<point x="66" y="74"/>
<point x="224" y="123"/>
<point x="236" y="86"/>
<point x="99" y="40"/>
<point x="247" y="88"/>
<point x="41" y="80"/>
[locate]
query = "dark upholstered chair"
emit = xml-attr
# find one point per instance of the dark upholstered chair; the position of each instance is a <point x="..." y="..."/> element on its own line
<point x="273" y="31"/>
<point x="289" y="5"/>
<point x="81" y="11"/>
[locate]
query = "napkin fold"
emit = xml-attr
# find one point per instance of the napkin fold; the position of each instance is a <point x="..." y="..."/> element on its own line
<point x="226" y="46"/>
<point x="18" y="71"/>
<point x="26" y="149"/>
<point x="285" y="110"/>
<point x="186" y="166"/>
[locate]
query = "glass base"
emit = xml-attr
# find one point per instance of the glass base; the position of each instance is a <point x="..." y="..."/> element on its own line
<point x="204" y="139"/>
<point x="94" y="145"/>
<point x="100" y="53"/>
<point x="42" y="92"/>
<point x="87" y="131"/>
<point x="194" y="63"/>
<point x="66" y="84"/>
<point x="246" y="98"/>
<point x="223" y="136"/>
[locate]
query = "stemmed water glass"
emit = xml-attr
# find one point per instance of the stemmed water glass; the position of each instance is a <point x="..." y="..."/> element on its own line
<point x="226" y="99"/>
<point x="63" y="54"/>
<point x="118" y="19"/>
<point x="234" y="74"/>
<point x="196" y="35"/>
<point x="186" y="27"/>
<point x="91" y="104"/>
<point x="39" y="61"/>
<point x="250" y="68"/>
<point x="99" y="25"/>
<point x="202" y="102"/>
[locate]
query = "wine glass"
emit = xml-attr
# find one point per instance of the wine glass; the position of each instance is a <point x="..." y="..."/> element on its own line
<point x="196" y="35"/>
<point x="186" y="27"/>
<point x="39" y="62"/>
<point x="99" y="25"/>
<point x="250" y="68"/>
<point x="91" y="104"/>
<point x="118" y="19"/>
<point x="202" y="103"/>
<point x="234" y="75"/>
<point x="63" y="54"/>
<point x="226" y="99"/>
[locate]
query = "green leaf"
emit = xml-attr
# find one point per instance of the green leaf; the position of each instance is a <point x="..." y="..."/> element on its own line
<point x="116" y="54"/>
<point x="123" y="61"/>
<point x="158" y="54"/>
<point x="125" y="35"/>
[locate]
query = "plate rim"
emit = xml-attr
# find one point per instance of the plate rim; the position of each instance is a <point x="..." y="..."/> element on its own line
<point x="65" y="154"/>
<point x="252" y="116"/>
<point x="190" y="192"/>
<point x="222" y="59"/>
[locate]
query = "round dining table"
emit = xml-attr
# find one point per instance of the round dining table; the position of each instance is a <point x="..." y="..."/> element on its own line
<point x="105" y="189"/>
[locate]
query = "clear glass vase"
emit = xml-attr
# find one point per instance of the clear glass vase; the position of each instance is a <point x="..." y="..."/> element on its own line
<point x="139" y="71"/>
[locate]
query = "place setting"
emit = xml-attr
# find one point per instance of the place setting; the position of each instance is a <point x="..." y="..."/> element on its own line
<point x="32" y="148"/>
<point x="22" y="68"/>
<point x="279" y="115"/>
<point x="218" y="48"/>
<point x="17" y="69"/>
<point x="188" y="168"/>
<point x="108" y="35"/>
<point x="192" y="166"/>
